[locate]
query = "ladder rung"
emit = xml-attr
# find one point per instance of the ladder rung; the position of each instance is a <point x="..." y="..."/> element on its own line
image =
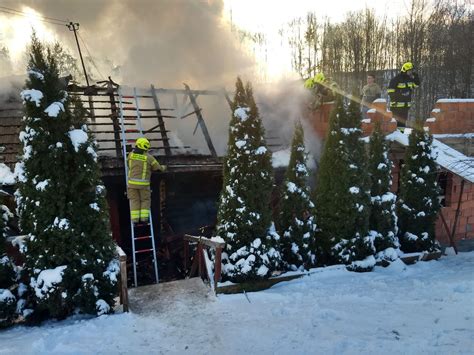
<point x="141" y="238"/>
<point x="131" y="131"/>
<point x="143" y="251"/>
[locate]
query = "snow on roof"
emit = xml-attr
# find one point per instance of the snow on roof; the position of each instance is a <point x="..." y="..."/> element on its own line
<point x="380" y="100"/>
<point x="455" y="100"/>
<point x="372" y="110"/>
<point x="454" y="135"/>
<point x="448" y="158"/>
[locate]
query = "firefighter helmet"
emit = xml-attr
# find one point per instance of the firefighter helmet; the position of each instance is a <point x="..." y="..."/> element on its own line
<point x="142" y="143"/>
<point x="319" y="78"/>
<point x="407" y="66"/>
<point x="309" y="83"/>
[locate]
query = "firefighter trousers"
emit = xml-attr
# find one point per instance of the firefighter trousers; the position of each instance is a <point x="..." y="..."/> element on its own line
<point x="139" y="204"/>
<point x="401" y="115"/>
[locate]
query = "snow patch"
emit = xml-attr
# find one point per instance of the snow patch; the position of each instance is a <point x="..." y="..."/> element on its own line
<point x="6" y="175"/>
<point x="102" y="307"/>
<point x="46" y="280"/>
<point x="32" y="95"/>
<point x="242" y="113"/>
<point x="54" y="109"/>
<point x="78" y="137"/>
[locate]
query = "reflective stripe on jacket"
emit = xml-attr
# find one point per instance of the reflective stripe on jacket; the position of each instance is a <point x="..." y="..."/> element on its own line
<point x="140" y="166"/>
<point x="401" y="88"/>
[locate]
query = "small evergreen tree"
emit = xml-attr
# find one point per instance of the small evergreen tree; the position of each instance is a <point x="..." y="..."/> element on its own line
<point x="70" y="258"/>
<point x="418" y="204"/>
<point x="297" y="222"/>
<point x="342" y="193"/>
<point x="7" y="273"/>
<point x="383" y="218"/>
<point x="244" y="213"/>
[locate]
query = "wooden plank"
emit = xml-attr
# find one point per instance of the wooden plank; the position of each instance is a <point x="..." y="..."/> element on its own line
<point x="458" y="211"/>
<point x="218" y="266"/>
<point x="192" y="98"/>
<point x="161" y="123"/>
<point x="451" y="241"/>
<point x="208" y="268"/>
<point x="203" y="240"/>
<point x="194" y="92"/>
<point x="123" y="278"/>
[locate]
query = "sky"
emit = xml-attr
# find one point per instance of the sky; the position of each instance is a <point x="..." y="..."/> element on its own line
<point x="128" y="32"/>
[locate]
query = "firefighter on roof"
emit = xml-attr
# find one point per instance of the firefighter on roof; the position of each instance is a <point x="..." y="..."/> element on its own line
<point x="400" y="91"/>
<point x="140" y="166"/>
<point x="322" y="88"/>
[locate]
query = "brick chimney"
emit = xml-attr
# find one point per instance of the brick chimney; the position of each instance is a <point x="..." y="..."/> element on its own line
<point x="452" y="116"/>
<point x="379" y="113"/>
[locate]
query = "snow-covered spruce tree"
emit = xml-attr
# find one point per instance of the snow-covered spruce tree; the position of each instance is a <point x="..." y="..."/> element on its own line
<point x="70" y="258"/>
<point x="383" y="218"/>
<point x="418" y="204"/>
<point x="342" y="193"/>
<point x="297" y="221"/>
<point x="244" y="213"/>
<point x="7" y="273"/>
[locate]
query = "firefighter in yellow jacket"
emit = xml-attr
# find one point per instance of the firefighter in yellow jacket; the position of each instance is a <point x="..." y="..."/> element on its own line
<point x="140" y="166"/>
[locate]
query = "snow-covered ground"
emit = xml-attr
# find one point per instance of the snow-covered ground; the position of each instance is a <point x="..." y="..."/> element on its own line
<point x="427" y="308"/>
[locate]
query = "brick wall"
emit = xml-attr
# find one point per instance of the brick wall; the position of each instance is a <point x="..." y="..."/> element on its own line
<point x="379" y="113"/>
<point x="452" y="116"/>
<point x="465" y="224"/>
<point x="319" y="119"/>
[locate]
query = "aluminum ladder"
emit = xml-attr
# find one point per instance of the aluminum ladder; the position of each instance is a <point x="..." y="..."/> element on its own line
<point x="137" y="133"/>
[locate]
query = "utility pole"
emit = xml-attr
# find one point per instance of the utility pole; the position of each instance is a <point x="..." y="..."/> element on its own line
<point x="74" y="26"/>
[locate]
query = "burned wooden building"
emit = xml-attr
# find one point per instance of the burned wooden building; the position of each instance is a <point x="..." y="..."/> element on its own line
<point x="184" y="198"/>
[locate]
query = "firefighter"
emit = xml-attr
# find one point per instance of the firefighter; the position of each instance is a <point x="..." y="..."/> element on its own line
<point x="140" y="166"/>
<point x="322" y="88"/>
<point x="400" y="90"/>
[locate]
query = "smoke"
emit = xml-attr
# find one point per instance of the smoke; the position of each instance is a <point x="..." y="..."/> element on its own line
<point x="281" y="105"/>
<point x="170" y="42"/>
<point x="165" y="42"/>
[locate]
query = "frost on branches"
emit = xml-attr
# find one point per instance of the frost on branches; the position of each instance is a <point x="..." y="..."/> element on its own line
<point x="418" y="203"/>
<point x="60" y="202"/>
<point x="383" y="218"/>
<point x="297" y="221"/>
<point x="342" y="193"/>
<point x="244" y="214"/>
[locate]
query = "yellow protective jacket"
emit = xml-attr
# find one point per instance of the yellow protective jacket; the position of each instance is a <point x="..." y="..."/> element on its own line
<point x="140" y="166"/>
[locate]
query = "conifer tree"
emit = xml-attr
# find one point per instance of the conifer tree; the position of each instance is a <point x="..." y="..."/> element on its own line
<point x="383" y="218"/>
<point x="342" y="193"/>
<point x="418" y="203"/>
<point x="70" y="258"/>
<point x="297" y="221"/>
<point x="7" y="273"/>
<point x="244" y="213"/>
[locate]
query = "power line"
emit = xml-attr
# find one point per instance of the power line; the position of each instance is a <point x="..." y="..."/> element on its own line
<point x="90" y="56"/>
<point x="29" y="16"/>
<point x="35" y="15"/>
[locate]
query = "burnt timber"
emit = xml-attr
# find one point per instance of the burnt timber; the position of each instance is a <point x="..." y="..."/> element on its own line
<point x="184" y="198"/>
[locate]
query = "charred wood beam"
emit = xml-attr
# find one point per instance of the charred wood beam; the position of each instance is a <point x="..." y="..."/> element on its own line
<point x="185" y="92"/>
<point x="104" y="124"/>
<point x="201" y="121"/>
<point x="161" y="123"/>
